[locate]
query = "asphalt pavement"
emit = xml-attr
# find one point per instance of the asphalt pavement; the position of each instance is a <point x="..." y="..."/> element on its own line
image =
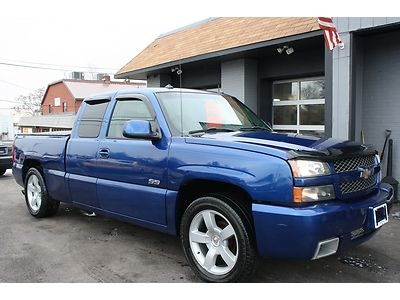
<point x="74" y="247"/>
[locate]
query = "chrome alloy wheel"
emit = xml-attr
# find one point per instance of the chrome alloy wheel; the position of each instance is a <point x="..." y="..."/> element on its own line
<point x="34" y="193"/>
<point x="213" y="242"/>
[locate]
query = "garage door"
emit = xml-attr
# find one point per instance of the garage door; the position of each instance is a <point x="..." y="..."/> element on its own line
<point x="381" y="93"/>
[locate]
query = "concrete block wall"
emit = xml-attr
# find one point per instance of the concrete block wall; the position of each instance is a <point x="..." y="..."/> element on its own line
<point x="158" y="80"/>
<point x="347" y="24"/>
<point x="239" y="78"/>
<point x="341" y="70"/>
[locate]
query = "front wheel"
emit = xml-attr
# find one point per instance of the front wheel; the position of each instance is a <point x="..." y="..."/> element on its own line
<point x="217" y="241"/>
<point x="37" y="199"/>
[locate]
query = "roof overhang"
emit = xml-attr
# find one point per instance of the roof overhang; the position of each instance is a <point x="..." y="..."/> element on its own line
<point x="141" y="74"/>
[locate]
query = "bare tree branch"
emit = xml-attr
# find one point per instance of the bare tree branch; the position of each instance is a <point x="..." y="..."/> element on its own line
<point x="30" y="104"/>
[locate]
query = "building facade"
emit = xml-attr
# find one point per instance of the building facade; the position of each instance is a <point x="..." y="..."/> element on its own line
<point x="281" y="69"/>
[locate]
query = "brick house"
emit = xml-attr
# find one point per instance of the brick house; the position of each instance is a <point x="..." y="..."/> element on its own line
<point x="66" y="95"/>
<point x="62" y="99"/>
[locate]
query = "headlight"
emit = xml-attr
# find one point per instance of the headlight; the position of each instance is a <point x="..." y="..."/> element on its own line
<point x="309" y="168"/>
<point x="313" y="193"/>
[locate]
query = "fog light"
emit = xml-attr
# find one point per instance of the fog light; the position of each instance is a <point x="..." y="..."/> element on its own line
<point x="327" y="247"/>
<point x="313" y="193"/>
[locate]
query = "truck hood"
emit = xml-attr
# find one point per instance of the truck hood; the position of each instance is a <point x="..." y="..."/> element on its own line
<point x="285" y="145"/>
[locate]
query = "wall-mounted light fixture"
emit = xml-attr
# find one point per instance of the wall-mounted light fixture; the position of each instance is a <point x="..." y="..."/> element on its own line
<point x="286" y="48"/>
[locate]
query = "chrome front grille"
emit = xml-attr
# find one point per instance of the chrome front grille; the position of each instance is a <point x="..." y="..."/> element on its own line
<point x="357" y="185"/>
<point x="351" y="164"/>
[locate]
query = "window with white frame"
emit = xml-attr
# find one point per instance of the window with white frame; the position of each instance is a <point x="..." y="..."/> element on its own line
<point x="299" y="106"/>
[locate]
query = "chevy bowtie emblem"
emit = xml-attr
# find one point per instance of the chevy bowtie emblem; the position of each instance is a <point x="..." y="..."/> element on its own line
<point x="365" y="173"/>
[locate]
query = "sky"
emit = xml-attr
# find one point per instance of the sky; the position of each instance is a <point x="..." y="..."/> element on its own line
<point x="71" y="35"/>
<point x="103" y="36"/>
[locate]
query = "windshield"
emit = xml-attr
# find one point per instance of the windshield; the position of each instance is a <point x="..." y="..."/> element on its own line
<point x="206" y="113"/>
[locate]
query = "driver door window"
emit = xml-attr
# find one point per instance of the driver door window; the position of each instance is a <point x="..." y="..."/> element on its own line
<point x="124" y="111"/>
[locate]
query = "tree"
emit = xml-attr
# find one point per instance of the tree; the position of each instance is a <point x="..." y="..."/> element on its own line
<point x="30" y="104"/>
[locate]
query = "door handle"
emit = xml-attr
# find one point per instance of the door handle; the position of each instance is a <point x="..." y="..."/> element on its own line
<point x="104" y="153"/>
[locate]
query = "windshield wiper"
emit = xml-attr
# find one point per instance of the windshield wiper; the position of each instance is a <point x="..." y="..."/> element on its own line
<point x="211" y="129"/>
<point x="254" y="128"/>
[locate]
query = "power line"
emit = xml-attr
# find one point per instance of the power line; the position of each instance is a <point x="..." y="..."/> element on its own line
<point x="9" y="101"/>
<point x="69" y="67"/>
<point x="34" y="67"/>
<point x="17" y="85"/>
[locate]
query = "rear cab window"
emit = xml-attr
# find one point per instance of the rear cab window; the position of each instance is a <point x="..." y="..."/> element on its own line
<point x="92" y="118"/>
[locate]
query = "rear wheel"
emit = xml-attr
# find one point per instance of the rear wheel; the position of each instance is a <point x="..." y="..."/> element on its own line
<point x="2" y="171"/>
<point x="217" y="241"/>
<point x="37" y="199"/>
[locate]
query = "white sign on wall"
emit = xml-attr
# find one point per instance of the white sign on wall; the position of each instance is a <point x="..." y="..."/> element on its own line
<point x="57" y="101"/>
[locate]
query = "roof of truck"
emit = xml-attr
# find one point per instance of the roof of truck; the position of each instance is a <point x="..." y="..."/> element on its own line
<point x="148" y="90"/>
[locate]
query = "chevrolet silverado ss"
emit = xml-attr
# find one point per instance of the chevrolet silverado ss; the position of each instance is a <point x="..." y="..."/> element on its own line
<point x="204" y="167"/>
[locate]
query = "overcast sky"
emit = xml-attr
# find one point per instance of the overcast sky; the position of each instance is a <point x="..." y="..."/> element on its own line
<point x="89" y="34"/>
<point x="101" y="34"/>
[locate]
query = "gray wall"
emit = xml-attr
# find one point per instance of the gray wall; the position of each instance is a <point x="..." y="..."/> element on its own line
<point x="341" y="71"/>
<point x="341" y="89"/>
<point x="197" y="77"/>
<point x="345" y="24"/>
<point x="308" y="62"/>
<point x="202" y="76"/>
<point x="239" y="78"/>
<point x="381" y="92"/>
<point x="158" y="80"/>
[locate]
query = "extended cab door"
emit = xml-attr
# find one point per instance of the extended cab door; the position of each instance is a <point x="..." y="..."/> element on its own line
<point x="132" y="172"/>
<point x="82" y="152"/>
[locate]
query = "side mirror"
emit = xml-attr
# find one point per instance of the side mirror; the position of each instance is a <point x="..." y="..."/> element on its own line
<point x="140" y="129"/>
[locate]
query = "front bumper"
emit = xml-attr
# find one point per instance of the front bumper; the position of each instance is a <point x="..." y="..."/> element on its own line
<point x="5" y="162"/>
<point x="295" y="232"/>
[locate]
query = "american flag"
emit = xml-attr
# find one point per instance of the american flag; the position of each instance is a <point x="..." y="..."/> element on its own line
<point x="332" y="38"/>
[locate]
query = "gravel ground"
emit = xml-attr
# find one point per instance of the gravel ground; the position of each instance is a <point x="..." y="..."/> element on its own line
<point x="72" y="247"/>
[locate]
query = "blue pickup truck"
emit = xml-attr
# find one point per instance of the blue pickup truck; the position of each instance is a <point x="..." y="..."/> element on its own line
<point x="204" y="167"/>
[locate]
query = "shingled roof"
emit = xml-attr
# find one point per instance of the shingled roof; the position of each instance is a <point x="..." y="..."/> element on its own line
<point x="214" y="35"/>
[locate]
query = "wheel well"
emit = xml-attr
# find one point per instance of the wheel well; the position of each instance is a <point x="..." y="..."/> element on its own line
<point x="30" y="163"/>
<point x="195" y="189"/>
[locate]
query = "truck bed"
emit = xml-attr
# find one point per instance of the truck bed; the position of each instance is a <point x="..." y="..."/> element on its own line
<point x="47" y="150"/>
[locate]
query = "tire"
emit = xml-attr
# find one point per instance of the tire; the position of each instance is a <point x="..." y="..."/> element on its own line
<point x="2" y="171"/>
<point x="217" y="240"/>
<point x="37" y="199"/>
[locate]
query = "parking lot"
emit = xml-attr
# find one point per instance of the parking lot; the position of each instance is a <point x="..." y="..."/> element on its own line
<point x="73" y="247"/>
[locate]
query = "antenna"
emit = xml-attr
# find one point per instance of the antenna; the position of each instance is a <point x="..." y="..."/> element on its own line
<point x="179" y="73"/>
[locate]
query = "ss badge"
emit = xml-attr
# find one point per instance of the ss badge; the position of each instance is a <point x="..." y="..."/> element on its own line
<point x="153" y="181"/>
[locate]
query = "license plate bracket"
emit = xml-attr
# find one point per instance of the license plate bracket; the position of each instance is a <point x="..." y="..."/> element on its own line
<point x="380" y="215"/>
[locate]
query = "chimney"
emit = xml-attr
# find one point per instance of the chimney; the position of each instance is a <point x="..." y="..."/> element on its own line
<point x="106" y="79"/>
